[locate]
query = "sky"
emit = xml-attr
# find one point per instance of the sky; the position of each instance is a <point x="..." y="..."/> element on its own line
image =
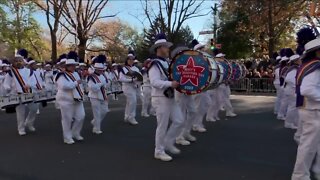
<point x="129" y="10"/>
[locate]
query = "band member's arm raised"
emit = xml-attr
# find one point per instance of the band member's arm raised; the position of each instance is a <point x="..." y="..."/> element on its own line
<point x="155" y="78"/>
<point x="310" y="86"/>
<point x="123" y="78"/>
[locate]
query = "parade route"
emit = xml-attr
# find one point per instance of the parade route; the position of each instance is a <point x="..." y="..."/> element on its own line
<point x="252" y="146"/>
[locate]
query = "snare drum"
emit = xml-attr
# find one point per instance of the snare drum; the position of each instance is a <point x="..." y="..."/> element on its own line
<point x="40" y="96"/>
<point x="12" y="100"/>
<point x="26" y="98"/>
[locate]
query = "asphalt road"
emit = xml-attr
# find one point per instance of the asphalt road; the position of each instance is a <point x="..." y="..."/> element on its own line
<point x="252" y="146"/>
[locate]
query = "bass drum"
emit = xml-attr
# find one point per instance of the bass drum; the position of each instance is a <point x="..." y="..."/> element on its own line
<point x="227" y="70"/>
<point x="193" y="70"/>
<point x="244" y="71"/>
<point x="236" y="71"/>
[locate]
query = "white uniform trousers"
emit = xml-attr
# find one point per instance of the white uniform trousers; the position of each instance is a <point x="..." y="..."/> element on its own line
<point x="22" y="119"/>
<point x="99" y="110"/>
<point x="309" y="145"/>
<point x="188" y="109"/>
<point x="202" y="102"/>
<point x="282" y="112"/>
<point x="297" y="135"/>
<point x="278" y="99"/>
<point x="225" y="98"/>
<point x="166" y="109"/>
<point x="146" y="102"/>
<point x="72" y="117"/>
<point x="131" y="102"/>
<point x="214" y="106"/>
<point x="292" y="112"/>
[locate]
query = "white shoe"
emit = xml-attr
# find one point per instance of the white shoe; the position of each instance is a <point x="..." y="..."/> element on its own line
<point x="68" y="141"/>
<point x="145" y="115"/>
<point x="182" y="142"/>
<point x="211" y="120"/>
<point x="97" y="132"/>
<point x="173" y="150"/>
<point x="31" y="128"/>
<point x="199" y="129"/>
<point x="231" y="114"/>
<point x="133" y="122"/>
<point x="22" y="133"/>
<point x="38" y="111"/>
<point x="78" y="138"/>
<point x="217" y="118"/>
<point x="190" y="138"/>
<point x="222" y="109"/>
<point x="163" y="157"/>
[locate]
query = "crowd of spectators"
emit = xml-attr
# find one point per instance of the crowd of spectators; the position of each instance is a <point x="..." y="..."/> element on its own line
<point x="259" y="68"/>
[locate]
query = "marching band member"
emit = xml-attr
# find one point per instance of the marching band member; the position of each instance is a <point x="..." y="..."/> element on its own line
<point x="224" y="93"/>
<point x="188" y="109"/>
<point x="308" y="102"/>
<point x="48" y="77"/>
<point x="163" y="101"/>
<point x="146" y="90"/>
<point x="283" y="71"/>
<point x="21" y="80"/>
<point x="114" y="76"/>
<point x="2" y="76"/>
<point x="201" y="100"/>
<point x="138" y="83"/>
<point x="34" y="107"/>
<point x="70" y="100"/>
<point x="291" y="120"/>
<point x="129" y="88"/>
<point x="276" y="83"/>
<point x="97" y="84"/>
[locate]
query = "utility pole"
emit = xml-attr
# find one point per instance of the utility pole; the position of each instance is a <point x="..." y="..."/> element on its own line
<point x="215" y="11"/>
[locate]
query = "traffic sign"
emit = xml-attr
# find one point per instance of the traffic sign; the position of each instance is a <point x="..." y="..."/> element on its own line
<point x="205" y="32"/>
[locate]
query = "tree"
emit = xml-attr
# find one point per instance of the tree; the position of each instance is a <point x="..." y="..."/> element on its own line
<point x="81" y="15"/>
<point x="53" y="11"/>
<point x="115" y="37"/>
<point x="172" y="14"/>
<point x="266" y="21"/>
<point x="20" y="30"/>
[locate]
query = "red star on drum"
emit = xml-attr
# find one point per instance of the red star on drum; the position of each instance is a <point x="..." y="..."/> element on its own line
<point x="190" y="72"/>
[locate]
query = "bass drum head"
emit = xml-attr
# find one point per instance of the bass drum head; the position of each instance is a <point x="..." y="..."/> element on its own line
<point x="221" y="73"/>
<point x="214" y="68"/>
<point x="192" y="70"/>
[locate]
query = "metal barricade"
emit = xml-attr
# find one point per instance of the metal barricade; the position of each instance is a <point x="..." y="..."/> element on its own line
<point x="254" y="85"/>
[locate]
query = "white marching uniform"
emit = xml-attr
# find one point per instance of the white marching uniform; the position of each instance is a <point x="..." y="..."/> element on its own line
<point x="202" y="104"/>
<point x="224" y="98"/>
<point x="292" y="116"/>
<point x="214" y="105"/>
<point x="2" y="77"/>
<point x="276" y="83"/>
<point x="309" y="144"/>
<point x="49" y="82"/>
<point x="282" y="112"/>
<point x="146" y="102"/>
<point x="12" y="85"/>
<point x="188" y="109"/>
<point x="129" y="88"/>
<point x="166" y="108"/>
<point x="97" y="85"/>
<point x="69" y="97"/>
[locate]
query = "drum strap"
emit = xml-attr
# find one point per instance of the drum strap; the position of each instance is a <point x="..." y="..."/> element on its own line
<point x="96" y="80"/>
<point x="38" y="84"/>
<point x="77" y="87"/>
<point x="20" y="80"/>
<point x="161" y="68"/>
<point x="303" y="71"/>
